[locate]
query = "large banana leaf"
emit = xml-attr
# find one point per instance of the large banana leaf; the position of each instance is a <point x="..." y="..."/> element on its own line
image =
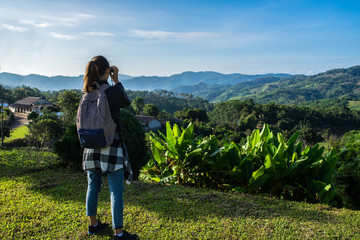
<point x="258" y="178"/>
<point x="265" y="133"/>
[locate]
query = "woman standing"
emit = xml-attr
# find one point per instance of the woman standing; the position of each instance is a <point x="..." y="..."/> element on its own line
<point x="111" y="160"/>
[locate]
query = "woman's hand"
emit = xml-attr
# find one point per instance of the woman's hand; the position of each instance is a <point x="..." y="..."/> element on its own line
<point x="115" y="75"/>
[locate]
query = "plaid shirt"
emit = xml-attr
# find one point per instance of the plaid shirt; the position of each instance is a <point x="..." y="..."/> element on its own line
<point x="109" y="159"/>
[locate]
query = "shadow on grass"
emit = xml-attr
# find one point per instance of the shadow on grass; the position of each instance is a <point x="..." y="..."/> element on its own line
<point x="174" y="202"/>
<point x="181" y="202"/>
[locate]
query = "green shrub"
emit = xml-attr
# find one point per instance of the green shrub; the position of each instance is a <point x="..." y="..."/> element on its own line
<point x="15" y="143"/>
<point x="348" y="169"/>
<point x="68" y="149"/>
<point x="134" y="139"/>
<point x="32" y="115"/>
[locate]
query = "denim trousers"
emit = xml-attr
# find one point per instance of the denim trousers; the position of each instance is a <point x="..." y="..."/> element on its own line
<point x="116" y="187"/>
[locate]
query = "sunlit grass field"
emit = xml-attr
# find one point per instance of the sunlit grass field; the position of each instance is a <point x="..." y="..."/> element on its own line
<point x="17" y="133"/>
<point x="40" y="201"/>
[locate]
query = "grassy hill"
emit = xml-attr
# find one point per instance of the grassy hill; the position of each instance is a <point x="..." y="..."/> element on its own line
<point x="39" y="201"/>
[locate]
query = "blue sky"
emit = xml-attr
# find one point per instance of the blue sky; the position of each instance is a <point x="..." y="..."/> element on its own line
<point x="158" y="37"/>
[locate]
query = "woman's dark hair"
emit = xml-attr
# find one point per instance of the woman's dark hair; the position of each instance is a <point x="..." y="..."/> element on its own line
<point x="94" y="69"/>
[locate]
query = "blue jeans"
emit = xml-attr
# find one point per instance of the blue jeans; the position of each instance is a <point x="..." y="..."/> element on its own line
<point x="116" y="186"/>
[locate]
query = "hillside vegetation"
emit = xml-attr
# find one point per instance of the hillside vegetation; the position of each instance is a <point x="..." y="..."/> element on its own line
<point x="338" y="86"/>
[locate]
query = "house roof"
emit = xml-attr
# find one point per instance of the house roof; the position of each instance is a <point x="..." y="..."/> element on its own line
<point x="145" y="119"/>
<point x="28" y="101"/>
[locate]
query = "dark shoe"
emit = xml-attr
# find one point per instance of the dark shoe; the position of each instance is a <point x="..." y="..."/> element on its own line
<point x="99" y="227"/>
<point x="126" y="236"/>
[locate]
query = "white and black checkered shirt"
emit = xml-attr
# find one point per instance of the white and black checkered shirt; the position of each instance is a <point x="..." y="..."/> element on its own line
<point x="109" y="159"/>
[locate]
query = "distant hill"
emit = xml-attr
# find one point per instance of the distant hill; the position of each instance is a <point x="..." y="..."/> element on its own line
<point x="334" y="84"/>
<point x="191" y="78"/>
<point x="133" y="83"/>
<point x="341" y="83"/>
<point x="220" y="93"/>
<point x="45" y="83"/>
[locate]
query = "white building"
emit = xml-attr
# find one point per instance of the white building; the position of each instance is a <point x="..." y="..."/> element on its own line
<point x="29" y="104"/>
<point x="149" y="123"/>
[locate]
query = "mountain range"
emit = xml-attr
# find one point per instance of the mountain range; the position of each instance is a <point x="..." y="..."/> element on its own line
<point x="45" y="83"/>
<point x="281" y="88"/>
<point x="191" y="78"/>
<point x="142" y="83"/>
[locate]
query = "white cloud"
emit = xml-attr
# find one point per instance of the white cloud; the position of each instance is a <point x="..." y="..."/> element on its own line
<point x="73" y="20"/>
<point x="62" y="36"/>
<point x="99" y="34"/>
<point x="167" y="34"/>
<point x="35" y="24"/>
<point x="14" y="28"/>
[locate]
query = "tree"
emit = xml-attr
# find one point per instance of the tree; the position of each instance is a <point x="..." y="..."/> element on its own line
<point x="43" y="129"/>
<point x="151" y="110"/>
<point x="25" y="91"/>
<point x="197" y="114"/>
<point x="306" y="133"/>
<point x="32" y="116"/>
<point x="5" y="94"/>
<point x="6" y="131"/>
<point x="163" y="115"/>
<point x="51" y="109"/>
<point x="138" y="104"/>
<point x="69" y="102"/>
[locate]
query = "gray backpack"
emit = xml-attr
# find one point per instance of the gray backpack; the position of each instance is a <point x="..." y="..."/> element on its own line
<point x="95" y="126"/>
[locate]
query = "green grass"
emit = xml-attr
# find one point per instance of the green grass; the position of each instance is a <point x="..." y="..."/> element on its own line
<point x="17" y="133"/>
<point x="354" y="105"/>
<point x="40" y="202"/>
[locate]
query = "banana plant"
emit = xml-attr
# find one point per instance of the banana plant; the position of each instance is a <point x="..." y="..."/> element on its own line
<point x="168" y="152"/>
<point x="286" y="166"/>
<point x="266" y="163"/>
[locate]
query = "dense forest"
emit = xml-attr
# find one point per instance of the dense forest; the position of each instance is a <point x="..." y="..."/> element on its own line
<point x="315" y="124"/>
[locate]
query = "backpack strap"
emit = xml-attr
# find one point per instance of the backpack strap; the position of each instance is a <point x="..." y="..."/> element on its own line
<point x="102" y="87"/>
